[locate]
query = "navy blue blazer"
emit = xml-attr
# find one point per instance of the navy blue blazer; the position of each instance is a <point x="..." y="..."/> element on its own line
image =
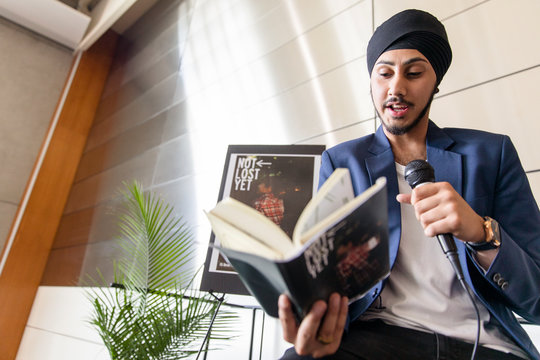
<point x="485" y="170"/>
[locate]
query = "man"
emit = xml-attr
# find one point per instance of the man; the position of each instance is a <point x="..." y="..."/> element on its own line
<point x="481" y="196"/>
<point x="268" y="204"/>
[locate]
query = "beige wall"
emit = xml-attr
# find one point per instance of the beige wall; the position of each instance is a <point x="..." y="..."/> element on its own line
<point x="195" y="76"/>
<point x="32" y="72"/>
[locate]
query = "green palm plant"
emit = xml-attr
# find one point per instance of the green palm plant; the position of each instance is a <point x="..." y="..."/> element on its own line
<point x="154" y="312"/>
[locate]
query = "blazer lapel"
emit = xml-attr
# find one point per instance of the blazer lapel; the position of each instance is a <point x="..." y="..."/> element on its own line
<point x="448" y="167"/>
<point x="382" y="164"/>
<point x="447" y="164"/>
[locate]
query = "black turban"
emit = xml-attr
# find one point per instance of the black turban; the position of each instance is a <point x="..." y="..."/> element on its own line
<point x="412" y="29"/>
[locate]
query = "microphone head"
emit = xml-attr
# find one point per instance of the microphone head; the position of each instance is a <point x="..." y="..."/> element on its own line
<point x="418" y="172"/>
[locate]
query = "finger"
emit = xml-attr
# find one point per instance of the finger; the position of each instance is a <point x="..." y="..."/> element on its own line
<point x="327" y="329"/>
<point x="306" y="338"/>
<point x="404" y="198"/>
<point x="341" y="320"/>
<point x="443" y="223"/>
<point x="287" y="319"/>
<point x="438" y="215"/>
<point x="428" y="209"/>
<point x="435" y="228"/>
<point x="424" y="191"/>
<point x="431" y="221"/>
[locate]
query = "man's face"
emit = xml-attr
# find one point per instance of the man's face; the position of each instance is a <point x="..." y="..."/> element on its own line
<point x="403" y="83"/>
<point x="263" y="188"/>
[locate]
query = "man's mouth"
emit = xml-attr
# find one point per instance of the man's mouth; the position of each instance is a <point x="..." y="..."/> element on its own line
<point x="397" y="109"/>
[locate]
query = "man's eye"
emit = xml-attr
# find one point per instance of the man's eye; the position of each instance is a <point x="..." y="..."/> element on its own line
<point x="414" y="73"/>
<point x="385" y="75"/>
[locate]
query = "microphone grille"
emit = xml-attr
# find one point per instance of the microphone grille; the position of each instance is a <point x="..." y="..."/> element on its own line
<point x="419" y="172"/>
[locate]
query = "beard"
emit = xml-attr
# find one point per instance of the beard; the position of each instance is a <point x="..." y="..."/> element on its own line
<point x="398" y="129"/>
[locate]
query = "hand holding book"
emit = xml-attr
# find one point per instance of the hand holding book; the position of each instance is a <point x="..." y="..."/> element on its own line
<point x="329" y="318"/>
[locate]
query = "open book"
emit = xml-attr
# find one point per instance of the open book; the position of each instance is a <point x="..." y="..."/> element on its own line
<point x="339" y="244"/>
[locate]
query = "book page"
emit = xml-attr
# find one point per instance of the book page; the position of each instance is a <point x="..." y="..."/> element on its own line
<point x="341" y="212"/>
<point x="335" y="192"/>
<point x="233" y="238"/>
<point x="254" y="224"/>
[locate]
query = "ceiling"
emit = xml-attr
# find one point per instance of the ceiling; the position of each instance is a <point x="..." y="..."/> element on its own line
<point x="74" y="29"/>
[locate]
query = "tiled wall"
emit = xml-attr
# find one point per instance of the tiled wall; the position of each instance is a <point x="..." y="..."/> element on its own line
<point x="192" y="77"/>
<point x="32" y="75"/>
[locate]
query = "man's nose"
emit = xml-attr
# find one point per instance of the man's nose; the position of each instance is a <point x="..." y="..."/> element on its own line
<point x="397" y="86"/>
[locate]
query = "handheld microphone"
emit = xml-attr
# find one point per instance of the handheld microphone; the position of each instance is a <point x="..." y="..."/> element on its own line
<point x="420" y="172"/>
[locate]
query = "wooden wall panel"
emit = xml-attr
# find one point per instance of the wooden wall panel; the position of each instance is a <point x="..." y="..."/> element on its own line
<point x="31" y="246"/>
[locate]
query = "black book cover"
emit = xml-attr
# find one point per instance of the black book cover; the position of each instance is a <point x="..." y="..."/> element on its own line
<point x="349" y="257"/>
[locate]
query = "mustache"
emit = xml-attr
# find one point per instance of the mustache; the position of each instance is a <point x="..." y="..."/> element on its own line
<point x="397" y="99"/>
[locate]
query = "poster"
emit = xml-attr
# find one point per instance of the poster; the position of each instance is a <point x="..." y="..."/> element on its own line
<point x="278" y="181"/>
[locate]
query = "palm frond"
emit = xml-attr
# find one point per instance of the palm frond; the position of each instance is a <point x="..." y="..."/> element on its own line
<point x="155" y="314"/>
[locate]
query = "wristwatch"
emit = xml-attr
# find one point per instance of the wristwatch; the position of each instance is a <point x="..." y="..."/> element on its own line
<point x="492" y="237"/>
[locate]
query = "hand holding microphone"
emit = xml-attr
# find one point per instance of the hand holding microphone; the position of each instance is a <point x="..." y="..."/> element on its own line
<point x="438" y="207"/>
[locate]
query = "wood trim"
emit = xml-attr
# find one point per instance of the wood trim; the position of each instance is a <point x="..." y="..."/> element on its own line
<point x="47" y="197"/>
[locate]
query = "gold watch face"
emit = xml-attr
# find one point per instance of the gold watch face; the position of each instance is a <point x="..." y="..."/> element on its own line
<point x="491" y="228"/>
